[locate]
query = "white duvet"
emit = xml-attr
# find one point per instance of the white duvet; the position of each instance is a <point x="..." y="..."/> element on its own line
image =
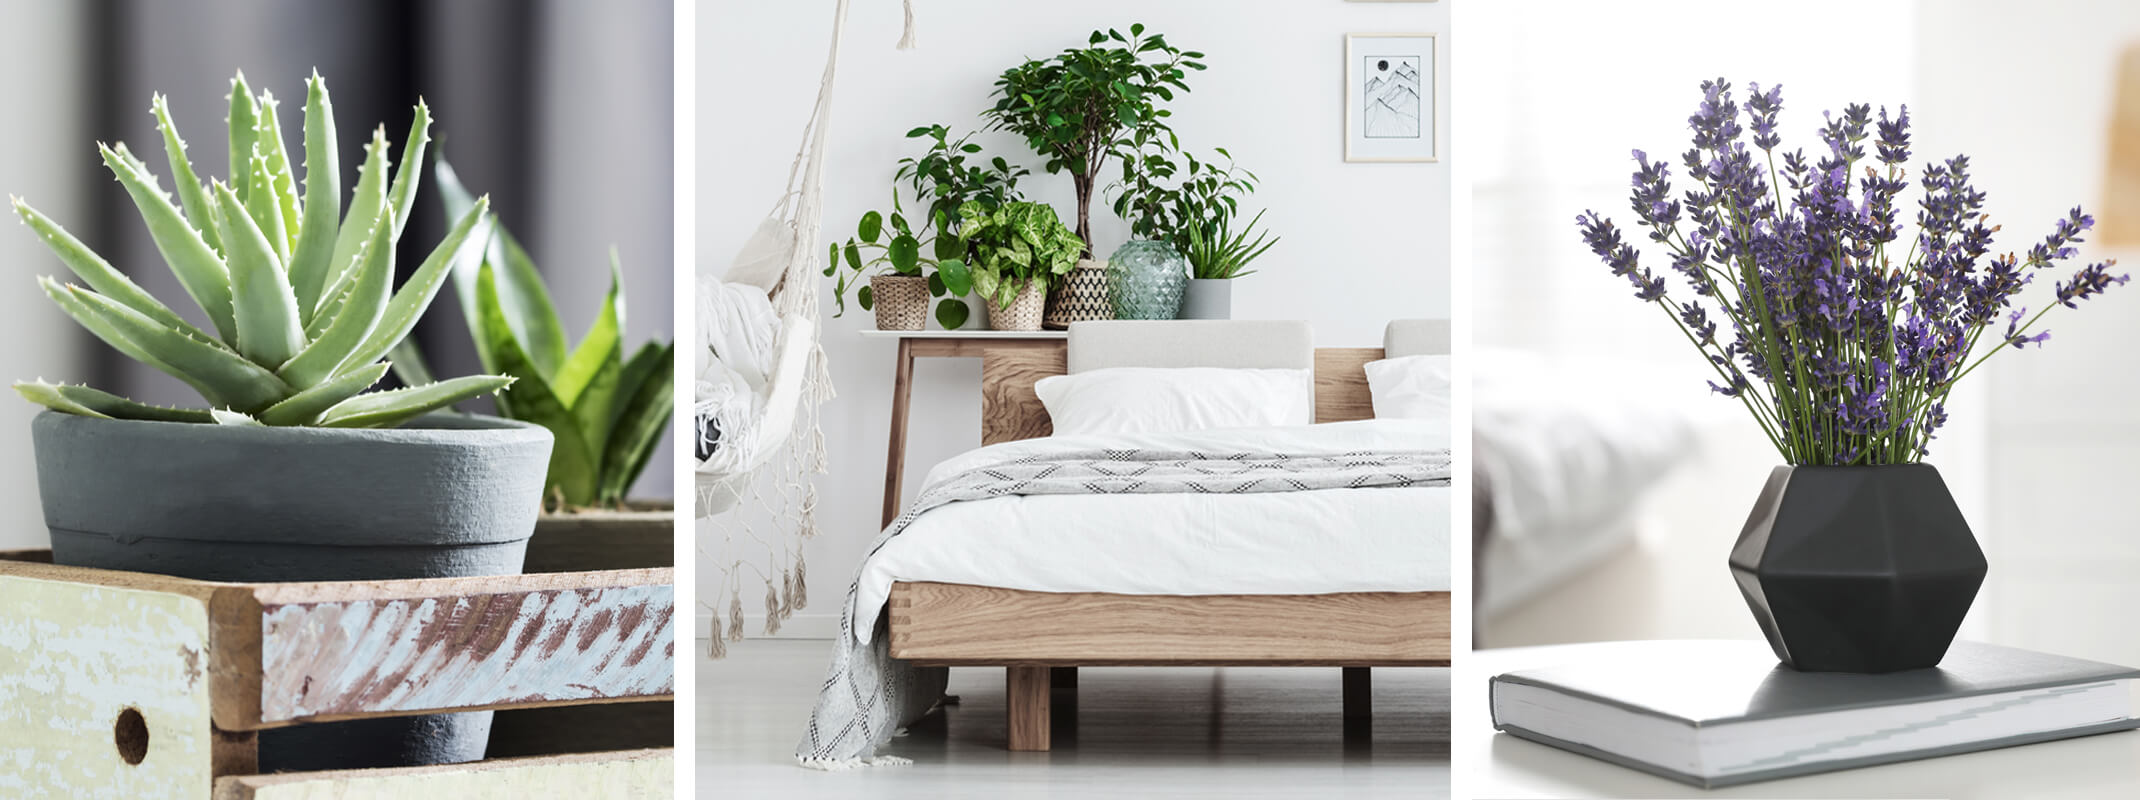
<point x="1314" y="542"/>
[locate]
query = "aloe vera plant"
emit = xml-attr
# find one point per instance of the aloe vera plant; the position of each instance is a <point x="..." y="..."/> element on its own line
<point x="605" y="410"/>
<point x="298" y="292"/>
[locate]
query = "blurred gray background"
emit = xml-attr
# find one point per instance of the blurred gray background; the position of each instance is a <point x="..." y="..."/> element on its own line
<point x="560" y="110"/>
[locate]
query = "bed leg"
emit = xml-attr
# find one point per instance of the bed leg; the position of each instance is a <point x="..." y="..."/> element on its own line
<point x="1359" y="696"/>
<point x="1063" y="677"/>
<point x="1028" y="701"/>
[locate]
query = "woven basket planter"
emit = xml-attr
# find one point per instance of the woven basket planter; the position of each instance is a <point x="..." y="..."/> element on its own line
<point x="901" y="301"/>
<point x="1080" y="296"/>
<point x="1023" y="314"/>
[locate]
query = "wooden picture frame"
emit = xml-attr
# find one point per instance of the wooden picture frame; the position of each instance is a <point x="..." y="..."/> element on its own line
<point x="1392" y="98"/>
<point x="1042" y="637"/>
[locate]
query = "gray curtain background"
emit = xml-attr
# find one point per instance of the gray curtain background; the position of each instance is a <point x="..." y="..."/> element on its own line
<point x="561" y="110"/>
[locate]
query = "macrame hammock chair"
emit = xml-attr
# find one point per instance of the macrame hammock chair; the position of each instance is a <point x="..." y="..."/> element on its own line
<point x="761" y="383"/>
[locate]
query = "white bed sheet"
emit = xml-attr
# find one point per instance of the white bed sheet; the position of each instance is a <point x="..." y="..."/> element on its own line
<point x="1315" y="542"/>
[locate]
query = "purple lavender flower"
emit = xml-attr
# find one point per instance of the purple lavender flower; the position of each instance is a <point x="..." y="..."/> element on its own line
<point x="1840" y="332"/>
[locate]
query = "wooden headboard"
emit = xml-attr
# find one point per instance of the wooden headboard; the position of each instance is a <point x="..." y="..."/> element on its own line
<point x="1011" y="411"/>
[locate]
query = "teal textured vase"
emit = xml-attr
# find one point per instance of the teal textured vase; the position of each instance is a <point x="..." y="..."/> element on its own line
<point x="1145" y="279"/>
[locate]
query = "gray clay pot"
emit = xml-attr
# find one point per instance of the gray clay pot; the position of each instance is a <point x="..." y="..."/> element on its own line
<point x="444" y="496"/>
<point x="1207" y="298"/>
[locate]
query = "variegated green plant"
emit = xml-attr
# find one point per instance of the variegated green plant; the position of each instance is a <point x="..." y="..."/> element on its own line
<point x="605" y="404"/>
<point x="300" y="294"/>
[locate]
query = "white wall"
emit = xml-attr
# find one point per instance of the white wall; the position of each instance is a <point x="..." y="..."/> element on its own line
<point x="2027" y="94"/>
<point x="1363" y="243"/>
<point x="44" y="163"/>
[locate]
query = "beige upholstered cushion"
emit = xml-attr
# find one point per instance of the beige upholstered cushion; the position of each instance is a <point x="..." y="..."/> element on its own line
<point x="1238" y="344"/>
<point x="1416" y="337"/>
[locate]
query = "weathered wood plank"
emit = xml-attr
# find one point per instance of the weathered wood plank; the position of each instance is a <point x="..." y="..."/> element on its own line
<point x="963" y="625"/>
<point x="75" y="659"/>
<point x="344" y="651"/>
<point x="629" y="775"/>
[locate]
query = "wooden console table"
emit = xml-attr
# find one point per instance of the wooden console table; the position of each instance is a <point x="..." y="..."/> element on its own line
<point x="950" y="344"/>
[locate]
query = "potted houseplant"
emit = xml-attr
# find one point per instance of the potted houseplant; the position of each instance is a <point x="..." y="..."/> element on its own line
<point x="901" y="279"/>
<point x="949" y="175"/>
<point x="1843" y="335"/>
<point x="1088" y="105"/>
<point x="1017" y="250"/>
<point x="292" y="471"/>
<point x="606" y="405"/>
<point x="1193" y="206"/>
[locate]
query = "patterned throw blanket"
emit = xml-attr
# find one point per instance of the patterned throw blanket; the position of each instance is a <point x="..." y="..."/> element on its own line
<point x="868" y="695"/>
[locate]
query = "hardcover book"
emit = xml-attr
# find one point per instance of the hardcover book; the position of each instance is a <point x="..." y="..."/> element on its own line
<point x="1718" y="713"/>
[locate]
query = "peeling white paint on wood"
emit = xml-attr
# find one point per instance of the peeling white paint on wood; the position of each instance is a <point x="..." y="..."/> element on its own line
<point x="399" y="655"/>
<point x="629" y="775"/>
<point x="75" y="655"/>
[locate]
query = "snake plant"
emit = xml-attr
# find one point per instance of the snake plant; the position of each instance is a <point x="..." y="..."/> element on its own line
<point x="299" y="293"/>
<point x="606" y="411"/>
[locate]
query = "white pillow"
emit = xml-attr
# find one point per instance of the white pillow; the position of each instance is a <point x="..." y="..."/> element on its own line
<point x="1410" y="387"/>
<point x="1170" y="399"/>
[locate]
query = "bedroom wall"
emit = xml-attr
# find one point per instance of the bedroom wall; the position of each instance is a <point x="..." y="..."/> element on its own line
<point x="46" y="162"/>
<point x="1363" y="243"/>
<point x="2062" y="425"/>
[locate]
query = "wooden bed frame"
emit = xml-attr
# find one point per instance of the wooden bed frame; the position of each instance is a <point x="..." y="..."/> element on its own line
<point x="1042" y="637"/>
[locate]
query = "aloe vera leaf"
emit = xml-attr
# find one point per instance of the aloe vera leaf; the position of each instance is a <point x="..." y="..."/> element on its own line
<point x="351" y="320"/>
<point x="403" y="195"/>
<point x="198" y="268"/>
<point x="269" y="330"/>
<point x="88" y="402"/>
<point x="198" y="211"/>
<point x="588" y="383"/>
<point x="573" y="465"/>
<point x="282" y="183"/>
<point x="413" y="369"/>
<point x="364" y="210"/>
<point x="305" y="408"/>
<point x="417" y="292"/>
<point x="224" y="416"/>
<point x="95" y="323"/>
<point x="385" y="409"/>
<point x="98" y="273"/>
<point x="309" y="258"/>
<point x="528" y="310"/>
<point x="265" y="212"/>
<point x="636" y="432"/>
<point x="244" y="115"/>
<point x="223" y="377"/>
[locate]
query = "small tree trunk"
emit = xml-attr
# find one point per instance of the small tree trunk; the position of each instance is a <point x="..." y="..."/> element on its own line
<point x="1083" y="184"/>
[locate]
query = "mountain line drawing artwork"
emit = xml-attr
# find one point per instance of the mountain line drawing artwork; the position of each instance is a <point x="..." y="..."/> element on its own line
<point x="1391" y="97"/>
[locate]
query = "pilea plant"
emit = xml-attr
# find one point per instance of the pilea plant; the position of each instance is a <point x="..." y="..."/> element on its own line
<point x="897" y="248"/>
<point x="299" y="294"/>
<point x="605" y="411"/>
<point x="1015" y="245"/>
<point x="1089" y="104"/>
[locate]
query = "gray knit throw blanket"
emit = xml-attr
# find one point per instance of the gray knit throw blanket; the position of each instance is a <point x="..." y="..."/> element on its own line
<point x="868" y="695"/>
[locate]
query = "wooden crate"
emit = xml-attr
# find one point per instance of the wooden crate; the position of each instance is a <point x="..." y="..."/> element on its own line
<point x="130" y="685"/>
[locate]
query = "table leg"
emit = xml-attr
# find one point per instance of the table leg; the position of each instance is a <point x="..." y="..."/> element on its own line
<point x="895" y="459"/>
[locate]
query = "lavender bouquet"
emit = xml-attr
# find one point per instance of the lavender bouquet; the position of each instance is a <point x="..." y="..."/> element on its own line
<point x="1844" y="341"/>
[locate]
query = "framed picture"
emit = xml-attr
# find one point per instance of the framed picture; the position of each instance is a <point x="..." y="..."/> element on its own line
<point x="1390" y="97"/>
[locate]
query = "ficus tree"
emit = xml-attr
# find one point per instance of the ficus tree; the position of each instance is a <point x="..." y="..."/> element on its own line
<point x="1090" y="104"/>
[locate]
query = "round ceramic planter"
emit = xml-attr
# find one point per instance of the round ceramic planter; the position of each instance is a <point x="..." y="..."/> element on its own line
<point x="445" y="496"/>
<point x="1858" y="569"/>
<point x="1207" y="298"/>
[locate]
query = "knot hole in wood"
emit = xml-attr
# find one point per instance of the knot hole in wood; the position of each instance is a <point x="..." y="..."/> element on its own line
<point x="131" y="734"/>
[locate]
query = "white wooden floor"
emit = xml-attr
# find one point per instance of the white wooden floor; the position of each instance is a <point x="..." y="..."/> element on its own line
<point x="1136" y="732"/>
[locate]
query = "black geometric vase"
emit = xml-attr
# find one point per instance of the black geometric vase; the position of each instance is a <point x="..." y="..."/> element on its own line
<point x="1858" y="569"/>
